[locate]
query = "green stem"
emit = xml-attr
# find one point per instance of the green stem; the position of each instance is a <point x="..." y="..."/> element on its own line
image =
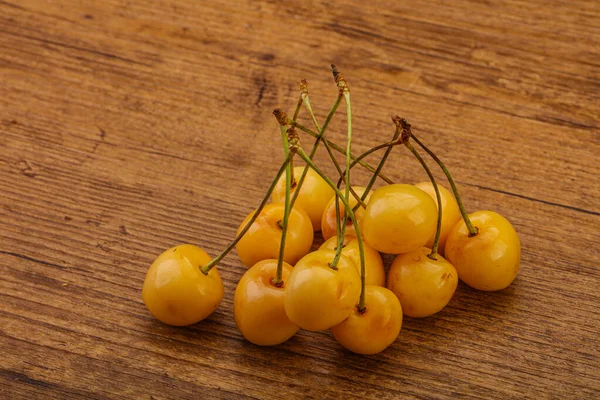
<point x="341" y="174"/>
<point x="360" y="202"/>
<point x="358" y="159"/>
<point x="318" y="137"/>
<point x="307" y="160"/>
<point x="332" y="157"/>
<point x="472" y="229"/>
<point x="306" y="102"/>
<point x="286" y="150"/>
<point x="264" y="201"/>
<point x="289" y="177"/>
<point x="312" y="115"/>
<point x="338" y="226"/>
<point x="297" y="110"/>
<point x="344" y="88"/>
<point x="338" y="149"/>
<point x="436" y="240"/>
<point x="379" y="168"/>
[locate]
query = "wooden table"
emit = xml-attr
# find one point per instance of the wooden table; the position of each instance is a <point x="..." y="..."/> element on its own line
<point x="127" y="127"/>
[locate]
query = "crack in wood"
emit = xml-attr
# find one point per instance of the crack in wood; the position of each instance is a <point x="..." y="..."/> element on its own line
<point x="35" y="260"/>
<point x="521" y="196"/>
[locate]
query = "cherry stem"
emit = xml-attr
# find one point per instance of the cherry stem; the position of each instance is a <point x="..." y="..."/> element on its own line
<point x="306" y="101"/>
<point x="308" y="107"/>
<point x="472" y="229"/>
<point x="284" y="120"/>
<point x="286" y="150"/>
<point x="436" y="240"/>
<point x="338" y="149"/>
<point x="264" y="201"/>
<point x="299" y="104"/>
<point x="379" y="168"/>
<point x="284" y="136"/>
<point x="312" y="115"/>
<point x="307" y="160"/>
<point x="289" y="176"/>
<point x="358" y="159"/>
<point x="338" y="223"/>
<point x="340" y="173"/>
<point x="319" y="137"/>
<point x="344" y="90"/>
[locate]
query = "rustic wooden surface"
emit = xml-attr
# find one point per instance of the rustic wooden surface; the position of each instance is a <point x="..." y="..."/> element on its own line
<point x="127" y="127"/>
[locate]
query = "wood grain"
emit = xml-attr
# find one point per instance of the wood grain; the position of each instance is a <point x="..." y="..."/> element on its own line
<point x="127" y="127"/>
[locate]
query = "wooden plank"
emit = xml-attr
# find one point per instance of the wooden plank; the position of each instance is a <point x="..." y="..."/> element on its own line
<point x="128" y="127"/>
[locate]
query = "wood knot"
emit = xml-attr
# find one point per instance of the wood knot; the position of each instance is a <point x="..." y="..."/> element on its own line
<point x="28" y="169"/>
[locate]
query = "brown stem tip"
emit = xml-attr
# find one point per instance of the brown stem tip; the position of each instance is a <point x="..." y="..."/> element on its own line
<point x="403" y="124"/>
<point x="293" y="139"/>
<point x="304" y="87"/>
<point x="335" y="72"/>
<point x="281" y="116"/>
<point x="339" y="80"/>
<point x="276" y="284"/>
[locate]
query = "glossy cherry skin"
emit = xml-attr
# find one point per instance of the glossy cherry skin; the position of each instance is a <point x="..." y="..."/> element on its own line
<point x="328" y="228"/>
<point x="175" y="290"/>
<point x="423" y="286"/>
<point x="262" y="240"/>
<point x="374" y="270"/>
<point x="489" y="260"/>
<point x="313" y="198"/>
<point x="450" y="212"/>
<point x="258" y="305"/>
<point x="376" y="328"/>
<point x="399" y="218"/>
<point x="318" y="297"/>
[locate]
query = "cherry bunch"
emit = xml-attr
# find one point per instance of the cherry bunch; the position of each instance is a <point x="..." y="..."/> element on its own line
<point x="342" y="285"/>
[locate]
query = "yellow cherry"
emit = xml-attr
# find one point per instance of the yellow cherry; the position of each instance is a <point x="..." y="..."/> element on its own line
<point x="423" y="286"/>
<point x="450" y="212"/>
<point x="318" y="297"/>
<point x="399" y="218"/>
<point x="373" y="330"/>
<point x="175" y="290"/>
<point x="489" y="260"/>
<point x="313" y="198"/>
<point x="258" y="305"/>
<point x="263" y="239"/>
<point x="328" y="228"/>
<point x="374" y="270"/>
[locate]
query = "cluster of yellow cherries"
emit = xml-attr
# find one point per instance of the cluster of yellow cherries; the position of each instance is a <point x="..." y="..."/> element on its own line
<point x="342" y="285"/>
